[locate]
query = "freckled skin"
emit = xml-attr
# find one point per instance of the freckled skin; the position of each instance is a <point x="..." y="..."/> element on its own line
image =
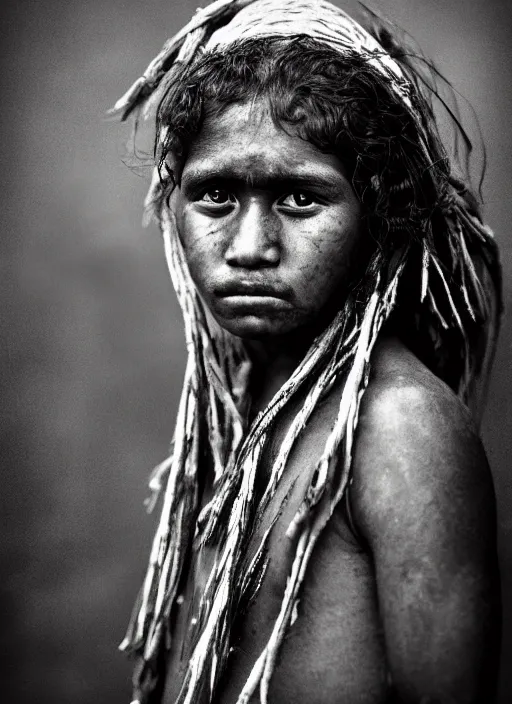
<point x="260" y="232"/>
<point x="407" y="611"/>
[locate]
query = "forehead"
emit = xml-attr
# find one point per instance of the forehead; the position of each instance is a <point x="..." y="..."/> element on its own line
<point x="245" y="141"/>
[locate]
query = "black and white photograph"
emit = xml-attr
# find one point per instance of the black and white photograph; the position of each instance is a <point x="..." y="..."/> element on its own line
<point x="257" y="352"/>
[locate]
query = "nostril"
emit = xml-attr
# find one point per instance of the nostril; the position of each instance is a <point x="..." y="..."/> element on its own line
<point x="273" y="255"/>
<point x="269" y="257"/>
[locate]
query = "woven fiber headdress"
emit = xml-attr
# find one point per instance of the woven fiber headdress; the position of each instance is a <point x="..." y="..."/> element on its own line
<point x="211" y="424"/>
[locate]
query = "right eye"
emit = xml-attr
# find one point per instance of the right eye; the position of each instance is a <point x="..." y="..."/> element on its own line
<point x="217" y="196"/>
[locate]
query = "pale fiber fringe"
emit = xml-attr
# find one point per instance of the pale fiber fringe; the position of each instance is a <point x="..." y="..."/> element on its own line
<point x="339" y="31"/>
<point x="318" y="504"/>
<point x="224" y="367"/>
<point x="215" y="386"/>
<point x="175" y="529"/>
<point x="345" y="346"/>
<point x="341" y="347"/>
<point x="148" y="82"/>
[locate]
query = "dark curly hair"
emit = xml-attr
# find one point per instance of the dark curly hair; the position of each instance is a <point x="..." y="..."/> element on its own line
<point x="341" y="104"/>
<point x="337" y="102"/>
<point x="431" y="275"/>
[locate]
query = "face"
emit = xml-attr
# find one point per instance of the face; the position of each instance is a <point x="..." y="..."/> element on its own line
<point x="269" y="225"/>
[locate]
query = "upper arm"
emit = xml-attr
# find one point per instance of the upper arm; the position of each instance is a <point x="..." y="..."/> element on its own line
<point x="423" y="499"/>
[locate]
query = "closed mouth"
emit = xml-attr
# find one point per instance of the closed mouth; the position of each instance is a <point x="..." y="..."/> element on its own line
<point x="251" y="289"/>
<point x="246" y="304"/>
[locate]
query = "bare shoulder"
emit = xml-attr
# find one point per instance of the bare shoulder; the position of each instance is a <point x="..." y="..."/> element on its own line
<point x="416" y="446"/>
<point x="423" y="499"/>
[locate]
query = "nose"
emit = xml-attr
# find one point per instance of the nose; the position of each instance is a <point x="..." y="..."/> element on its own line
<point x="254" y="241"/>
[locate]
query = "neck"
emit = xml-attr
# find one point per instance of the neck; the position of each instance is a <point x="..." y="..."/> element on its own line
<point x="273" y="361"/>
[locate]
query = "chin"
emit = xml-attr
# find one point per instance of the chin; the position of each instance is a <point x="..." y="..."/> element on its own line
<point x="252" y="327"/>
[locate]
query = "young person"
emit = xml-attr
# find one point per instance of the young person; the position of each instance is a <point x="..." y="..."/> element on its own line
<point x="328" y="520"/>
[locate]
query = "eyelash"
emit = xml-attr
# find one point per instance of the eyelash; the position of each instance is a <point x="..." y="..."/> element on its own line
<point x="230" y="199"/>
<point x="216" y="190"/>
<point x="306" y="194"/>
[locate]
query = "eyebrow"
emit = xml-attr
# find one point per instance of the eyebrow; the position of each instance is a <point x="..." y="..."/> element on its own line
<point x="206" y="174"/>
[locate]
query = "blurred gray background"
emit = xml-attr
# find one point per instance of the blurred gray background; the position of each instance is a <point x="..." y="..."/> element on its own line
<point x="92" y="335"/>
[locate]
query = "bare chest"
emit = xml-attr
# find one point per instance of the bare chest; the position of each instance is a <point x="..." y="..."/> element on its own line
<point x="333" y="652"/>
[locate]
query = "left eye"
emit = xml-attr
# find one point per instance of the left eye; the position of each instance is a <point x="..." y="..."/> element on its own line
<point x="298" y="199"/>
<point x="216" y="196"/>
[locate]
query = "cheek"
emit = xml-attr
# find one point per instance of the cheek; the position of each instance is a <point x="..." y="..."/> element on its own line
<point x="202" y="244"/>
<point x="327" y="262"/>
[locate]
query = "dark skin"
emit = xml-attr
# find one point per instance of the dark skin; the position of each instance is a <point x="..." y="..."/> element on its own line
<point x="400" y="603"/>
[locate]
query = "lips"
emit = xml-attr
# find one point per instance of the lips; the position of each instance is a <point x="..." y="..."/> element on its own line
<point x="251" y="289"/>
